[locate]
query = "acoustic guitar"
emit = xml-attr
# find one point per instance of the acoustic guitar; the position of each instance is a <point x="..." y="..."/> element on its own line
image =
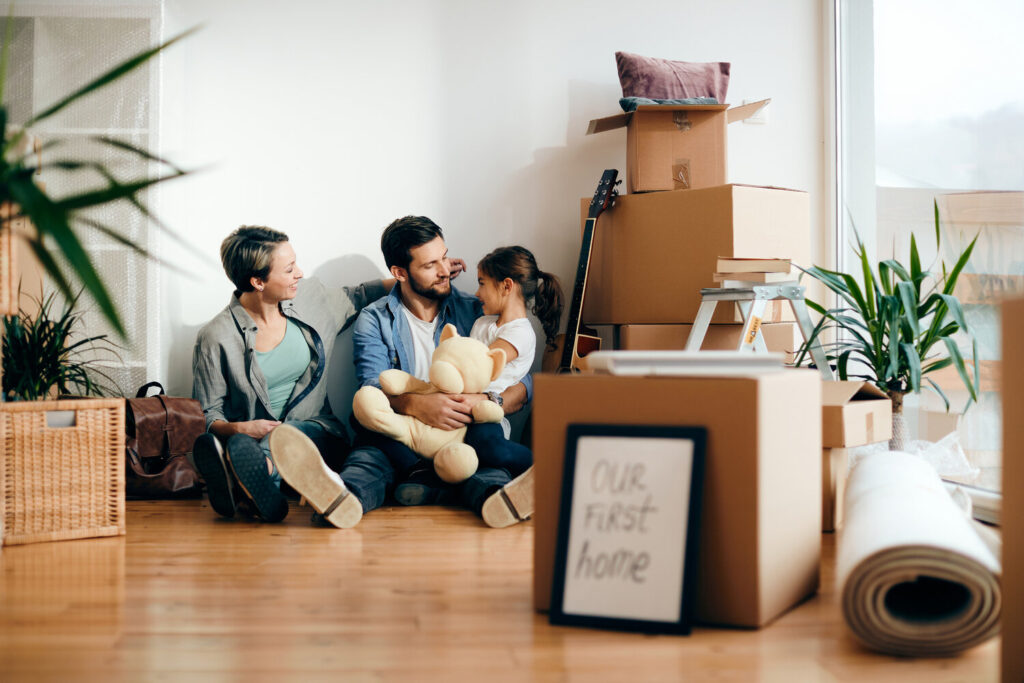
<point x="572" y="347"/>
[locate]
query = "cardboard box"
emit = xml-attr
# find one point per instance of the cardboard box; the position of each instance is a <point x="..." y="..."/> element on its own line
<point x="835" y="470"/>
<point x="676" y="147"/>
<point x="653" y="253"/>
<point x="854" y="414"/>
<point x="760" y="536"/>
<point x="935" y="425"/>
<point x="781" y="337"/>
<point x="21" y="277"/>
<point x="1013" y="494"/>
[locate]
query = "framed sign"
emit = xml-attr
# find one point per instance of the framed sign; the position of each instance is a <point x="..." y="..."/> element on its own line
<point x="627" y="528"/>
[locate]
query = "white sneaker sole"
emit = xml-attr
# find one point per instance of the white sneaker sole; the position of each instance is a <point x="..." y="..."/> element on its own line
<point x="299" y="462"/>
<point x="512" y="504"/>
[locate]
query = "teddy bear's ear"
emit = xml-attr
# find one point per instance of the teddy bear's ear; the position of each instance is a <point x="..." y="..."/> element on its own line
<point x="448" y="332"/>
<point x="498" y="358"/>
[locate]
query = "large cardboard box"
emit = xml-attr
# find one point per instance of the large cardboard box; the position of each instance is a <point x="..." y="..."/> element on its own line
<point x="835" y="470"/>
<point x="676" y="147"/>
<point x="653" y="253"/>
<point x="760" y="535"/>
<point x="854" y="414"/>
<point x="780" y="337"/>
<point x="1013" y="493"/>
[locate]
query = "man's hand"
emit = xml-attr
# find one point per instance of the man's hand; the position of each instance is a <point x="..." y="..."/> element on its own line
<point x="444" y="411"/>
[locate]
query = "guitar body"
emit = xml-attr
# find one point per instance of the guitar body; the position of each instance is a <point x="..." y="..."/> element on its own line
<point x="575" y="343"/>
<point x="586" y="342"/>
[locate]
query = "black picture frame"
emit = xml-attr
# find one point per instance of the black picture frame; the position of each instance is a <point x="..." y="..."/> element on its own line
<point x="570" y="593"/>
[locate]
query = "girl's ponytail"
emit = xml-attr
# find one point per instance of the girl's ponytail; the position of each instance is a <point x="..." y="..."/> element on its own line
<point x="520" y="265"/>
<point x="547" y="306"/>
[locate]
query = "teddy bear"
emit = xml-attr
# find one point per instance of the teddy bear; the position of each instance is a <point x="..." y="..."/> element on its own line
<point x="459" y="365"/>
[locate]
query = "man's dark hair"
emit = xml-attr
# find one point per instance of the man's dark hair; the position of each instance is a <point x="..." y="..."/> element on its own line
<point x="405" y="234"/>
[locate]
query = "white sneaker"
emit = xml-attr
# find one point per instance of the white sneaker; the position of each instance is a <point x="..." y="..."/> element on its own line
<point x="299" y="462"/>
<point x="512" y="504"/>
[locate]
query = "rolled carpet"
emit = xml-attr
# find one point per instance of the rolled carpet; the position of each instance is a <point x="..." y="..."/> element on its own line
<point x="915" y="577"/>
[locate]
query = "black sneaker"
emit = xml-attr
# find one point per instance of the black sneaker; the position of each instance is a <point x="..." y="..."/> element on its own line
<point x="208" y="456"/>
<point x="422" y="486"/>
<point x="249" y="465"/>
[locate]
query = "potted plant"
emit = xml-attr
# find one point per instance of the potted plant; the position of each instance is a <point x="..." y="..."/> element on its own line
<point x="45" y="356"/>
<point x="892" y="326"/>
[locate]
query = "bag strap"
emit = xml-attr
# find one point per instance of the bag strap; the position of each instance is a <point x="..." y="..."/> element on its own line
<point x="144" y="389"/>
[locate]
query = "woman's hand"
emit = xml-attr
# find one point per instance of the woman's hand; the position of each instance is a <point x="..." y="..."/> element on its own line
<point x="456" y="266"/>
<point x="257" y="429"/>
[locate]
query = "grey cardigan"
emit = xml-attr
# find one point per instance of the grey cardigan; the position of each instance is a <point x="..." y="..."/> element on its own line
<point x="229" y="384"/>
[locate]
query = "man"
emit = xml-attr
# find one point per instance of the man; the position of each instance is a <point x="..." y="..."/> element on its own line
<point x="401" y="331"/>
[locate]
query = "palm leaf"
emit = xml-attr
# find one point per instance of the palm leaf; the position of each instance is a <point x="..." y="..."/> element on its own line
<point x="51" y="221"/>
<point x="951" y="278"/>
<point x="935" y="387"/>
<point x="961" y="369"/>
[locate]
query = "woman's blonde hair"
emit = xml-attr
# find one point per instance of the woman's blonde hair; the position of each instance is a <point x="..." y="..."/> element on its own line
<point x="246" y="253"/>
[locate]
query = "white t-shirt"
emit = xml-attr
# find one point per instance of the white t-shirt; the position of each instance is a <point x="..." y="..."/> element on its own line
<point x="422" y="343"/>
<point x="519" y="333"/>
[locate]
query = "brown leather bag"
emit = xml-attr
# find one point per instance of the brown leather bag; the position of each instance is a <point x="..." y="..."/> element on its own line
<point x="160" y="432"/>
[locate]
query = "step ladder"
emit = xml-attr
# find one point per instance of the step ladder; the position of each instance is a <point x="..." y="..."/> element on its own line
<point x="752" y="298"/>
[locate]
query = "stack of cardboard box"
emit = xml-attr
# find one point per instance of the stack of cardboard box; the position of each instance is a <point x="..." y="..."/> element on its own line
<point x="852" y="414"/>
<point x="760" y="537"/>
<point x="658" y="245"/>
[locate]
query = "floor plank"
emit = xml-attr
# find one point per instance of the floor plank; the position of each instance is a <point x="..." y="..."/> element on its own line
<point x="427" y="594"/>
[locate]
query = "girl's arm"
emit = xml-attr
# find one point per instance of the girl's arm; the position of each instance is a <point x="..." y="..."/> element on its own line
<point x="511" y="352"/>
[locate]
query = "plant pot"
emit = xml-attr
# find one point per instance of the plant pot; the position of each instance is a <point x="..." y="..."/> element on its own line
<point x="900" y="432"/>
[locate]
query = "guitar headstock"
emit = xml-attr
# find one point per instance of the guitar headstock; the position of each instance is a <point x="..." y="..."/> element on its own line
<point x="605" y="194"/>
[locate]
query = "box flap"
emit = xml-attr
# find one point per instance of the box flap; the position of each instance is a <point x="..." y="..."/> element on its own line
<point x="841" y="393"/>
<point x="622" y="120"/>
<point x="745" y="111"/>
<point x="608" y="123"/>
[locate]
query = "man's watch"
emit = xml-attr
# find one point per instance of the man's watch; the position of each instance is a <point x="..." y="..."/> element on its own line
<point x="495" y="397"/>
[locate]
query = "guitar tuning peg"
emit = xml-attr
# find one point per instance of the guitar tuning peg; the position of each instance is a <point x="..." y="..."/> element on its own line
<point x="618" y="182"/>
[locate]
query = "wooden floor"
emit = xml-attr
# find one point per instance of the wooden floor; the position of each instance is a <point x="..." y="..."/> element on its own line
<point x="410" y="595"/>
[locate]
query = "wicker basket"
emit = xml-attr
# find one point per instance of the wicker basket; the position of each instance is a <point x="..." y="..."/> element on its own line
<point x="61" y="482"/>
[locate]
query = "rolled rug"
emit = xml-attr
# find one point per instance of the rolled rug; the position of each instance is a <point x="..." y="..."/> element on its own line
<point x="915" y="577"/>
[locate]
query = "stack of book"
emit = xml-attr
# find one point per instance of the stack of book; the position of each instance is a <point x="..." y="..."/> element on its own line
<point x="757" y="270"/>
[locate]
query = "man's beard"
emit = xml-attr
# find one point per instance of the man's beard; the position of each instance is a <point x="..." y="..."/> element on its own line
<point x="432" y="292"/>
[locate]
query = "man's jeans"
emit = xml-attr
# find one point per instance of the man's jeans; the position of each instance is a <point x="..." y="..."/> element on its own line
<point x="376" y="463"/>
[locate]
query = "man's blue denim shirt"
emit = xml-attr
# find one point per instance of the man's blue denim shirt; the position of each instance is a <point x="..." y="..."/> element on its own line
<point x="382" y="340"/>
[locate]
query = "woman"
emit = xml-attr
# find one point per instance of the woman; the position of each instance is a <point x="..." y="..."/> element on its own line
<point x="261" y="362"/>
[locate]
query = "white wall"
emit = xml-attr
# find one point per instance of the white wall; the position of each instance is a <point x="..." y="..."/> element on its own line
<point x="329" y="119"/>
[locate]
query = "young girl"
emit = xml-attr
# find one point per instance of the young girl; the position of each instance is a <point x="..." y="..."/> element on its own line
<point x="509" y="279"/>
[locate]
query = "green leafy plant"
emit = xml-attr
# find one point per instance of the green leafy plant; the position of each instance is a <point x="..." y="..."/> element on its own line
<point x="893" y="324"/>
<point x="44" y="354"/>
<point x="54" y="219"/>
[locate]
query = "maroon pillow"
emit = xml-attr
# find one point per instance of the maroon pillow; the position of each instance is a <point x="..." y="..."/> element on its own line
<point x="663" y="79"/>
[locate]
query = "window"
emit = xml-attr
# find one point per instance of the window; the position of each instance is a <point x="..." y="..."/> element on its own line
<point x="930" y="109"/>
<point x="55" y="50"/>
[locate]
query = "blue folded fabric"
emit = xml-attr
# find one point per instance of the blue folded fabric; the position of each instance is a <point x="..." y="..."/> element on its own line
<point x="629" y="104"/>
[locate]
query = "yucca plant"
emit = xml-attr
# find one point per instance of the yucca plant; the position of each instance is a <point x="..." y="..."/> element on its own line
<point x="55" y="218"/>
<point x="892" y="325"/>
<point x="44" y="354"/>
